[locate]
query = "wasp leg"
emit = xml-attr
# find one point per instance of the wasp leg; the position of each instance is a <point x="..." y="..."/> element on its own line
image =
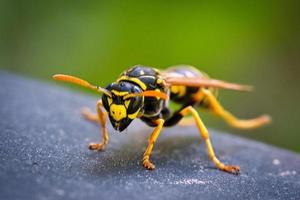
<point x="204" y="134"/>
<point x="102" y="120"/>
<point x="88" y="115"/>
<point x="231" y="119"/>
<point x="177" y="118"/>
<point x="188" y="121"/>
<point x="146" y="162"/>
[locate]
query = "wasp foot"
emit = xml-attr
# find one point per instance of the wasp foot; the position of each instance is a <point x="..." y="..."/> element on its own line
<point x="97" y="147"/>
<point x="148" y="165"/>
<point x="231" y="169"/>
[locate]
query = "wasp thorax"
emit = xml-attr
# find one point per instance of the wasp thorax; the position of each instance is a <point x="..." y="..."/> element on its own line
<point x="121" y="107"/>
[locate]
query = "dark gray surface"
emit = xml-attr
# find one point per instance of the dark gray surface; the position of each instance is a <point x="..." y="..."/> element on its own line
<point x="44" y="155"/>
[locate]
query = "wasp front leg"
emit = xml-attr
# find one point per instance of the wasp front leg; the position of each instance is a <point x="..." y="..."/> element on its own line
<point x="101" y="118"/>
<point x="217" y="108"/>
<point x="146" y="161"/>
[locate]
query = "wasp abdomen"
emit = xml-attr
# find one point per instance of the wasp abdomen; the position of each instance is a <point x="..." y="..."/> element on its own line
<point x="184" y="94"/>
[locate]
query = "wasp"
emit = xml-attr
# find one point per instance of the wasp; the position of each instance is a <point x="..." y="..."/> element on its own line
<point x="144" y="92"/>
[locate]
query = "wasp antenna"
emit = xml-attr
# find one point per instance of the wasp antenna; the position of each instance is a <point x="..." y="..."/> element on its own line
<point x="154" y="93"/>
<point x="73" y="79"/>
<point x="105" y="91"/>
<point x="79" y="81"/>
<point x="149" y="93"/>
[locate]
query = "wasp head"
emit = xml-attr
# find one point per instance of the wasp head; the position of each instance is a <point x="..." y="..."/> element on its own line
<point x="121" y="106"/>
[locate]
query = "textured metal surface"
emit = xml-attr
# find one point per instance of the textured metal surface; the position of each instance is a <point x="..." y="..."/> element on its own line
<point x="44" y="155"/>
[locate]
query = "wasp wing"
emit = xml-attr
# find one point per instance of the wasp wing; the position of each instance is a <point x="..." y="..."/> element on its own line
<point x="203" y="82"/>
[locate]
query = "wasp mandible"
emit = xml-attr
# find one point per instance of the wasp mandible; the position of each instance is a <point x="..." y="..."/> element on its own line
<point x="144" y="92"/>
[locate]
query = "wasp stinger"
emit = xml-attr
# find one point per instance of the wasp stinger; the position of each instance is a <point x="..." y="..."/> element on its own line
<point x="144" y="92"/>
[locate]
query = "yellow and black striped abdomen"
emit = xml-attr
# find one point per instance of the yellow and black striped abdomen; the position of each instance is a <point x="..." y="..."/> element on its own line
<point x="188" y="95"/>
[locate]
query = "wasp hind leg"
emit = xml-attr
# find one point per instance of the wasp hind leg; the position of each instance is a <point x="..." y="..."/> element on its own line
<point x="205" y="135"/>
<point x="146" y="157"/>
<point x="101" y="118"/>
<point x="187" y="121"/>
<point x="217" y="108"/>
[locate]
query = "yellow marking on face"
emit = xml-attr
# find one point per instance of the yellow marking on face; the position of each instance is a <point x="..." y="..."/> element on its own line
<point x="142" y="72"/>
<point x="109" y="100"/>
<point x="119" y="93"/>
<point x="118" y="112"/>
<point x="179" y="90"/>
<point x="127" y="102"/>
<point x="135" y="80"/>
<point x="134" y="115"/>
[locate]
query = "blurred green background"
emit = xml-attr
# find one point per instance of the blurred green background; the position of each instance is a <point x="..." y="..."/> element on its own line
<point x="253" y="42"/>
